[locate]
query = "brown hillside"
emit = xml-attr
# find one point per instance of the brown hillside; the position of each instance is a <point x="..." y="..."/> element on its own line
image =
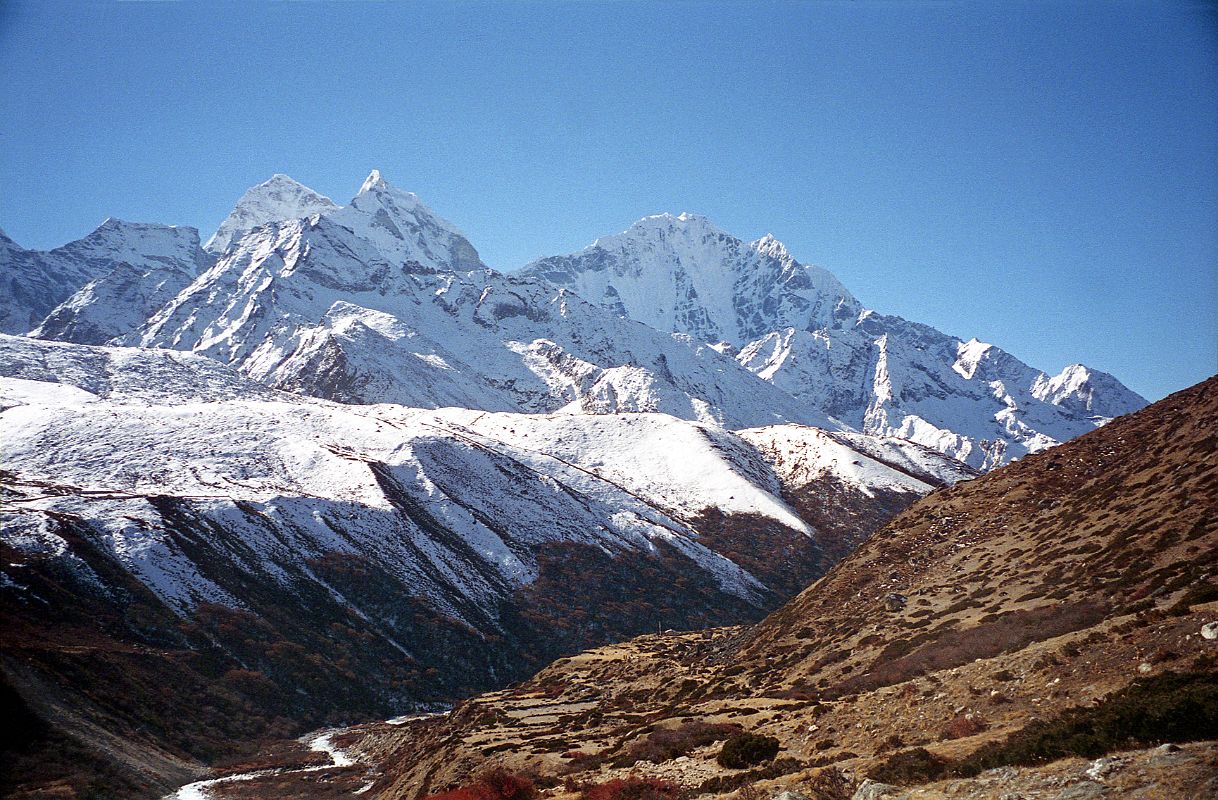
<point x="1110" y="523"/>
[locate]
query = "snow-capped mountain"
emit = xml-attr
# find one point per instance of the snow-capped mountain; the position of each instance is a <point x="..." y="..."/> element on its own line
<point x="797" y="327"/>
<point x="375" y="302"/>
<point x="384" y="301"/>
<point x="683" y="274"/>
<point x="151" y="264"/>
<point x="34" y="282"/>
<point x="274" y="200"/>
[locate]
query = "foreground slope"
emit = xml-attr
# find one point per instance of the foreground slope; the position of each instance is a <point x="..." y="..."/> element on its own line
<point x="169" y="522"/>
<point x="1043" y="586"/>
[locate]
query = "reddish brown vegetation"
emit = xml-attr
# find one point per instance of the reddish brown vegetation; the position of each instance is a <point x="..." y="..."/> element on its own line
<point x="963" y="725"/>
<point x="633" y="788"/>
<point x="494" y="784"/>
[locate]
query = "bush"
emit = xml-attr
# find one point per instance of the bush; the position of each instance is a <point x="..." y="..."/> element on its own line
<point x="721" y="784"/>
<point x="633" y="788"/>
<point x="665" y="744"/>
<point x="494" y="784"/>
<point x="1171" y="707"/>
<point x="909" y="767"/>
<point x="746" y="750"/>
<point x="1195" y="596"/>
<point x="963" y="725"/>
<point x="829" y="783"/>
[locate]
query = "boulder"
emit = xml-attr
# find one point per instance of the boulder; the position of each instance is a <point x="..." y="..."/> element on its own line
<point x="874" y="790"/>
<point x="895" y="602"/>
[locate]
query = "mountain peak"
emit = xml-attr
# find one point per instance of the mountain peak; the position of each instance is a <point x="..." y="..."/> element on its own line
<point x="280" y="179"/>
<point x="404" y="229"/>
<point x="661" y="225"/>
<point x="1087" y="391"/>
<point x="138" y="234"/>
<point x="770" y="246"/>
<point x="373" y="182"/>
<point x="276" y="199"/>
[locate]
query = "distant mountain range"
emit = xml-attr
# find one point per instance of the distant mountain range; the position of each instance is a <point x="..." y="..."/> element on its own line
<point x="384" y="301"/>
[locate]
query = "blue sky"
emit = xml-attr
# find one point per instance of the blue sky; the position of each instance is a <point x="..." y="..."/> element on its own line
<point x="1043" y="176"/>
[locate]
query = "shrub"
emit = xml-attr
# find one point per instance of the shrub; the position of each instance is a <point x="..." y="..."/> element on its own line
<point x="721" y="784"/>
<point x="1195" y="596"/>
<point x="746" y="750"/>
<point x="633" y="788"/>
<point x="909" y="767"/>
<point x="1171" y="707"/>
<point x="664" y="744"/>
<point x="493" y="784"/>
<point x="963" y="725"/>
<point x="829" y="783"/>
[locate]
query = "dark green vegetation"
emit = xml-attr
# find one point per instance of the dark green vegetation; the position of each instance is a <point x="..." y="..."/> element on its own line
<point x="746" y="750"/>
<point x="1172" y="707"/>
<point x="909" y="767"/>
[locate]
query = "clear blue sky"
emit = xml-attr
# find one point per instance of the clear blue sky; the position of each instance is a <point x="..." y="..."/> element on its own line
<point x="1042" y="176"/>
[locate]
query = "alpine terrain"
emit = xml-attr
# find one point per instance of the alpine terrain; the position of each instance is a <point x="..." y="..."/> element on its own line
<point x="330" y="467"/>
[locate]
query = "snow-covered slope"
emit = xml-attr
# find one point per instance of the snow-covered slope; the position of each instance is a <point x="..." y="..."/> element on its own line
<point x="456" y="505"/>
<point x="374" y="303"/>
<point x="151" y="264"/>
<point x="803" y="456"/>
<point x="33" y="282"/>
<point x="275" y="200"/>
<point x="797" y="327"/>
